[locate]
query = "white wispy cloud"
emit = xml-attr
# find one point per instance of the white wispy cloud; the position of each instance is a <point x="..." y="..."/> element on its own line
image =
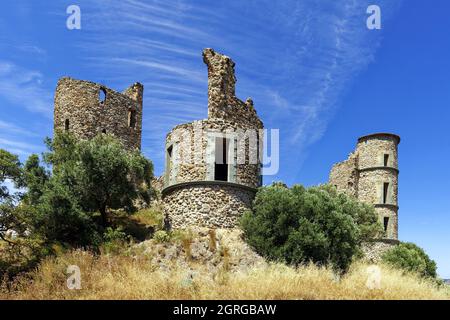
<point x="18" y="147"/>
<point x="24" y="88"/>
<point x="12" y="128"/>
<point x="32" y="49"/>
<point x="296" y="59"/>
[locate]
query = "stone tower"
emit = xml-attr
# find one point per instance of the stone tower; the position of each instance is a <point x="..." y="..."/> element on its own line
<point x="87" y="109"/>
<point x="371" y="175"/>
<point x="213" y="165"/>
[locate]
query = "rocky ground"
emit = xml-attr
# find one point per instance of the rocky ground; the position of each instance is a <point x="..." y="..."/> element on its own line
<point x="216" y="250"/>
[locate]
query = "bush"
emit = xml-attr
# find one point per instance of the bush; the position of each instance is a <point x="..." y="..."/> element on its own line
<point x="299" y="225"/>
<point x="100" y="172"/>
<point x="161" y="236"/>
<point x="411" y="258"/>
<point x="59" y="218"/>
<point x="115" y="240"/>
<point x="89" y="182"/>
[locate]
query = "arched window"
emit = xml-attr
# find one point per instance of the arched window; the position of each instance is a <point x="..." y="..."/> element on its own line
<point x="102" y="95"/>
<point x="66" y="125"/>
<point x="131" y="118"/>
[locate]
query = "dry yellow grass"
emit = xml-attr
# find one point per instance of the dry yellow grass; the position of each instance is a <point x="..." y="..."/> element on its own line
<point x="127" y="277"/>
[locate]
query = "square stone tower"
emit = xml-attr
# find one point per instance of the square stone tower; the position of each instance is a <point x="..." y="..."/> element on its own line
<point x="86" y="109"/>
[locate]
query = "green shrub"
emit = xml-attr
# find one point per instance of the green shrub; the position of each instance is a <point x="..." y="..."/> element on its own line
<point x="90" y="181"/>
<point x="116" y="234"/>
<point x="299" y="225"/>
<point x="410" y="257"/>
<point x="161" y="236"/>
<point x="115" y="240"/>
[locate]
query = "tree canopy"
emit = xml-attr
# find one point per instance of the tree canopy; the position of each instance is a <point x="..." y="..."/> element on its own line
<point x="410" y="257"/>
<point x="297" y="225"/>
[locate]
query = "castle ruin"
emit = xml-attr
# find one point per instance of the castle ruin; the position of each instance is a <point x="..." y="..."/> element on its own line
<point x="86" y="109"/>
<point x="371" y="175"/>
<point x="205" y="184"/>
<point x="213" y="166"/>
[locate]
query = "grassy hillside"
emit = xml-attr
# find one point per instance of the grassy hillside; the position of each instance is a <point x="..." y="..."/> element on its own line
<point x="129" y="276"/>
<point x="201" y="264"/>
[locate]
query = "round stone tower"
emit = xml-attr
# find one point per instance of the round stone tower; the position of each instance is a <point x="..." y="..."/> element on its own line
<point x="213" y="166"/>
<point x="378" y="177"/>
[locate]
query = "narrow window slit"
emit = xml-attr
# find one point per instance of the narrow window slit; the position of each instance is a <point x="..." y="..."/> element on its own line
<point x="131" y="118"/>
<point x="386" y="223"/>
<point x="385" y="192"/>
<point x="386" y="160"/>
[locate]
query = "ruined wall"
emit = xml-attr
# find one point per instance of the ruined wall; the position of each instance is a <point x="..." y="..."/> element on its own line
<point x="208" y="205"/>
<point x="80" y="110"/>
<point x="190" y="184"/>
<point x="344" y="176"/>
<point x="222" y="101"/>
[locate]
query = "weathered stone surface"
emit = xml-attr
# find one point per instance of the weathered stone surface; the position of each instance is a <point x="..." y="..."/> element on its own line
<point x="371" y="175"/>
<point x="214" y="206"/>
<point x="373" y="251"/>
<point x="222" y="101"/>
<point x="230" y="252"/>
<point x="190" y="156"/>
<point x="78" y="109"/>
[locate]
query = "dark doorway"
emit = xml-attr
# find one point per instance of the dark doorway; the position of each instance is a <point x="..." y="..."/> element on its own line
<point x="220" y="164"/>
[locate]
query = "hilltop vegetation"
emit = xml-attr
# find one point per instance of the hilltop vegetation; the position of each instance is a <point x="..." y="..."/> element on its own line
<point x="77" y="206"/>
<point x="137" y="275"/>
<point x="71" y="197"/>
<point x="297" y="225"/>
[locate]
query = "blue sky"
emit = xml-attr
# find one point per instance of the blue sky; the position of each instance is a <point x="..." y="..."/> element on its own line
<point x="312" y="68"/>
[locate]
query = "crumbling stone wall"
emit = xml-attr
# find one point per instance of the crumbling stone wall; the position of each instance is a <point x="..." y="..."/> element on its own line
<point x="344" y="175"/>
<point x="190" y="148"/>
<point x="79" y="109"/>
<point x="222" y="101"/>
<point x="371" y="175"/>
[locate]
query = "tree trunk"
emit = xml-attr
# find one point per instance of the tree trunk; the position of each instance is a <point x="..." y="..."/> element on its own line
<point x="104" y="216"/>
